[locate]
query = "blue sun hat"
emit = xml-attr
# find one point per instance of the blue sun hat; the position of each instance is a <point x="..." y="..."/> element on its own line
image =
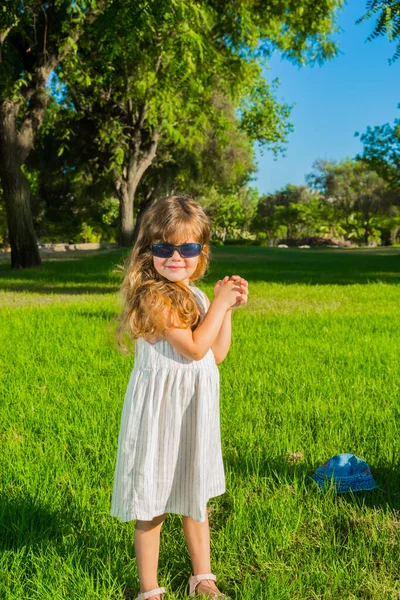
<point x="348" y="473"/>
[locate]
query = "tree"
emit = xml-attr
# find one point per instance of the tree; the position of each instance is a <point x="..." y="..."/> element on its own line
<point x="221" y="163"/>
<point x="230" y="213"/>
<point x="387" y="23"/>
<point x="34" y="37"/>
<point x="69" y="203"/>
<point x="382" y="142"/>
<point x="357" y="195"/>
<point x="285" y="212"/>
<point x="381" y="151"/>
<point x="69" y="196"/>
<point x="157" y="86"/>
<point x="145" y="70"/>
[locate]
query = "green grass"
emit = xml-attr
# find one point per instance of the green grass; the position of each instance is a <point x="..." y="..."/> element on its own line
<point x="313" y="371"/>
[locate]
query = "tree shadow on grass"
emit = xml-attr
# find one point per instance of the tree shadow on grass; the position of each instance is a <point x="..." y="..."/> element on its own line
<point x="91" y="540"/>
<point x="386" y="496"/>
<point x="97" y="274"/>
<point x="24" y="523"/>
<point x="84" y="275"/>
<point x="64" y="290"/>
<point x="315" y="266"/>
<point x="279" y="470"/>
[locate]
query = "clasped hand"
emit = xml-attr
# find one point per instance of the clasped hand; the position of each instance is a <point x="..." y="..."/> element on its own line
<point x="236" y="293"/>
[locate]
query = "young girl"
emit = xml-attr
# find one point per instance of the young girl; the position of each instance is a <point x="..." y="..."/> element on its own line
<point x="169" y="456"/>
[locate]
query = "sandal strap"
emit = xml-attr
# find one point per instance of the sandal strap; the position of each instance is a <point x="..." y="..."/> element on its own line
<point x="149" y="593"/>
<point x="195" y="579"/>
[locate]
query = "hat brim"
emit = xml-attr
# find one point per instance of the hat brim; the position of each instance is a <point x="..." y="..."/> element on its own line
<point x="354" y="483"/>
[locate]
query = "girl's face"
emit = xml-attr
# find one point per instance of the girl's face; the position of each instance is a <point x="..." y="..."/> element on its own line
<point x="177" y="268"/>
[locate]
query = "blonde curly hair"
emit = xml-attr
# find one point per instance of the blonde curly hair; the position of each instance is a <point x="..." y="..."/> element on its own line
<point x="151" y="303"/>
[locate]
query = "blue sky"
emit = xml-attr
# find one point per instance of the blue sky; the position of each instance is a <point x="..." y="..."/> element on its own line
<point x="346" y="94"/>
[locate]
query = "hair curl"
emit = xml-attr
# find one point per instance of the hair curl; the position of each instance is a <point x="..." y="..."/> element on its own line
<point x="151" y="303"/>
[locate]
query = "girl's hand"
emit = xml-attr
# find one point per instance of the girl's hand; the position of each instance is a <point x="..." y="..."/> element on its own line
<point x="243" y="289"/>
<point x="228" y="290"/>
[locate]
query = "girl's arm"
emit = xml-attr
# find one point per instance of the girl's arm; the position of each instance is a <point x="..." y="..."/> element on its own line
<point x="222" y="342"/>
<point x="195" y="344"/>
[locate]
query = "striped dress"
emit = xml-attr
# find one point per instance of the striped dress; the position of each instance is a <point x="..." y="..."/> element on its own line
<point x="169" y="457"/>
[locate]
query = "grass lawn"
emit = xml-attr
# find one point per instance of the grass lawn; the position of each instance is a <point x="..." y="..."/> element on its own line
<point x="313" y="371"/>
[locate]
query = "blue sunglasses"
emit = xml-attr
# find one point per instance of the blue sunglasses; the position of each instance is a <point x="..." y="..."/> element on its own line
<point x="166" y="250"/>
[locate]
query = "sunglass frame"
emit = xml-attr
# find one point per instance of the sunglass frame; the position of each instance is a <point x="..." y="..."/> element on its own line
<point x="173" y="247"/>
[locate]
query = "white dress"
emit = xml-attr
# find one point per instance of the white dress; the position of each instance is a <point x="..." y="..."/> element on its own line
<point x="169" y="457"/>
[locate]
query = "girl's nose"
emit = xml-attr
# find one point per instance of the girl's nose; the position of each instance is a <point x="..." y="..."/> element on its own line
<point x="176" y="255"/>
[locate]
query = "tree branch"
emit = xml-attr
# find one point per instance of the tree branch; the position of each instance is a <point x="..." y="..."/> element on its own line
<point x="136" y="166"/>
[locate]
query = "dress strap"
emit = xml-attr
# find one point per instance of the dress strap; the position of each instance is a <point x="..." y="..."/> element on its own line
<point x="200" y="297"/>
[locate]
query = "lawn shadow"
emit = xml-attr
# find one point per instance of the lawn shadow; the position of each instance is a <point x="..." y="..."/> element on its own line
<point x="386" y="496"/>
<point x="280" y="470"/>
<point x="93" y="274"/>
<point x="314" y="266"/>
<point x="25" y="524"/>
<point x="90" y="539"/>
<point x="97" y="274"/>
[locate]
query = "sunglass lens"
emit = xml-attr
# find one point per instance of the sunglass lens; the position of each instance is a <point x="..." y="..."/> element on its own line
<point x="190" y="250"/>
<point x="162" y="250"/>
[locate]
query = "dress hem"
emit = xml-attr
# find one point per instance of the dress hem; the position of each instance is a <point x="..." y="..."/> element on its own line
<point x="129" y="517"/>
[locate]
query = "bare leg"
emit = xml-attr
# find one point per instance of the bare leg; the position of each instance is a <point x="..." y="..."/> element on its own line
<point x="147" y="549"/>
<point x="198" y="542"/>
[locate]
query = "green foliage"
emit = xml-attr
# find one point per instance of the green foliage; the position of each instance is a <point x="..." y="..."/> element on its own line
<point x="32" y="33"/>
<point x="387" y="13"/>
<point x="382" y="151"/>
<point x="231" y="213"/>
<point x="263" y="119"/>
<point x="289" y="212"/>
<point x="356" y="194"/>
<point x="222" y="163"/>
<point x="156" y="67"/>
<point x="131" y="75"/>
<point x="345" y="200"/>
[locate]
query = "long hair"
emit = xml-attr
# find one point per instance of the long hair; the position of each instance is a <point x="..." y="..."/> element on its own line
<point x="151" y="303"/>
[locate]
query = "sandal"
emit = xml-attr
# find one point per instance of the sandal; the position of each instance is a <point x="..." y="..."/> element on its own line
<point x="150" y="593"/>
<point x="194" y="580"/>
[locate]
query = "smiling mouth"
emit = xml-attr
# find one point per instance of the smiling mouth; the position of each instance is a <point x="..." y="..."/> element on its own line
<point x="175" y="268"/>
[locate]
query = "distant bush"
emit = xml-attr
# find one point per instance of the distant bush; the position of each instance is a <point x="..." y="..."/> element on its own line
<point x="241" y="242"/>
<point x="316" y="240"/>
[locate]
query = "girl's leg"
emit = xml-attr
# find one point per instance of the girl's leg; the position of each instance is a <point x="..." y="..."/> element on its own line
<point x="198" y="542"/>
<point x="147" y="548"/>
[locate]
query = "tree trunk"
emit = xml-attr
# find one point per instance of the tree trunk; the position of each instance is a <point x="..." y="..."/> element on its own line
<point x="366" y="233"/>
<point x="126" y="199"/>
<point x="126" y="187"/>
<point x="21" y="233"/>
<point x="145" y="204"/>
